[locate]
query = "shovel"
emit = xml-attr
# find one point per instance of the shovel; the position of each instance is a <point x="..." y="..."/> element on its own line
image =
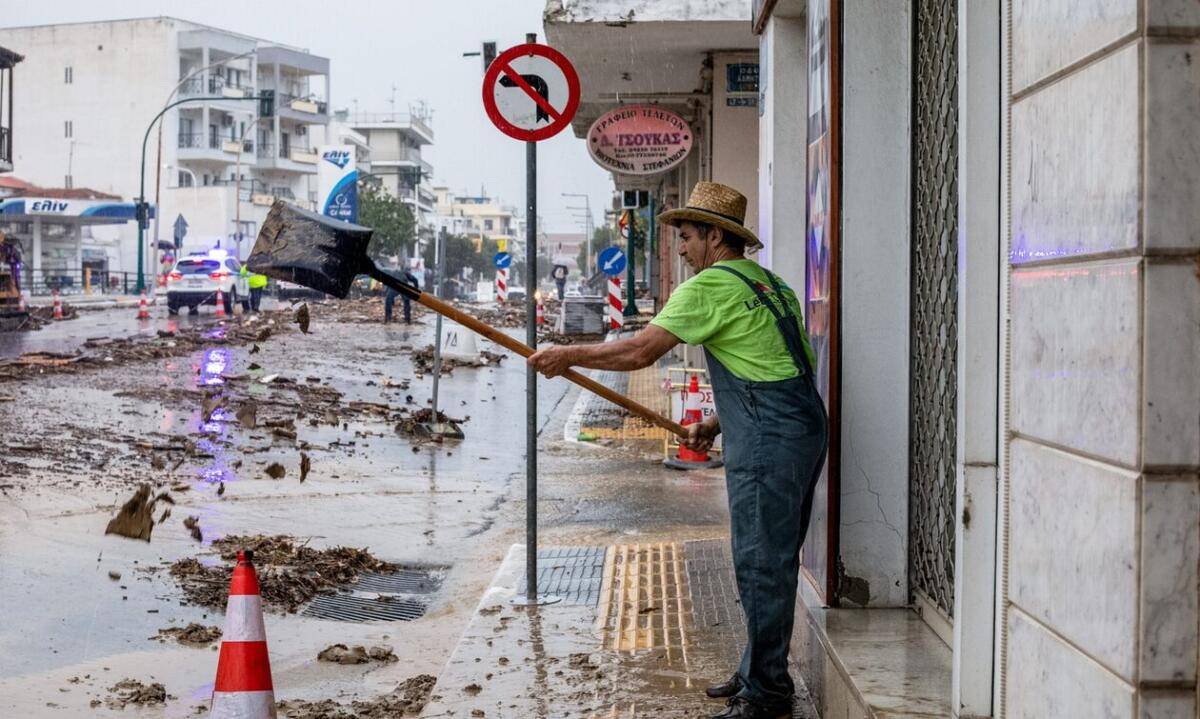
<point x="326" y="255"/>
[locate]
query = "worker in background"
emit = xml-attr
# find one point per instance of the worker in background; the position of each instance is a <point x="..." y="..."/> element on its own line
<point x="389" y="300"/>
<point x="768" y="409"/>
<point x="257" y="284"/>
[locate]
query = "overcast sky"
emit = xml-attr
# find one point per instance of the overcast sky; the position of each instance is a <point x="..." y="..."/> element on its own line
<point x="415" y="46"/>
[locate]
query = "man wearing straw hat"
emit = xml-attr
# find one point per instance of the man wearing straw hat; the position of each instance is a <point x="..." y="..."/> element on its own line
<point x="768" y="409"/>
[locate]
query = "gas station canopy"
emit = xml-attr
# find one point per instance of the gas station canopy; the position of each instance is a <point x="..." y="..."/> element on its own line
<point x="69" y="211"/>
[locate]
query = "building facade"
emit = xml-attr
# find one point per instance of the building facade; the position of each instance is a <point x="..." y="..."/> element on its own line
<point x="989" y="208"/>
<point x="396" y="140"/>
<point x="93" y="88"/>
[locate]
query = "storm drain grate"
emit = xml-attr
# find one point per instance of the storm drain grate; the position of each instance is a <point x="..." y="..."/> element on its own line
<point x="572" y="573"/>
<point x="402" y="595"/>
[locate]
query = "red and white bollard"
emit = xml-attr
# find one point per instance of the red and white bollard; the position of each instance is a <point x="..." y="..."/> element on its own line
<point x="143" y="310"/>
<point x="58" y="315"/>
<point x="616" y="307"/>
<point x="220" y="303"/>
<point x="541" y="309"/>
<point x="693" y="413"/>
<point x="502" y="285"/>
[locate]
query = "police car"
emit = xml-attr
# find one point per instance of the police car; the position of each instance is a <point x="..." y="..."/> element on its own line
<point x="195" y="279"/>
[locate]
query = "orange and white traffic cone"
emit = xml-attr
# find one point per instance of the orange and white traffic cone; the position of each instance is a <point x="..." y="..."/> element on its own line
<point x="243" y="689"/>
<point x="143" y="310"/>
<point x="20" y="302"/>
<point x="692" y="414"/>
<point x="220" y="303"/>
<point x="58" y="315"/>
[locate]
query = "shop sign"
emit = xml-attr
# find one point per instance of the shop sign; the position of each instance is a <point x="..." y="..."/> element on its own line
<point x="639" y="140"/>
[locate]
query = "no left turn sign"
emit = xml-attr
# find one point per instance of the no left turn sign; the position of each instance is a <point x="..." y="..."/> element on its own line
<point x="531" y="92"/>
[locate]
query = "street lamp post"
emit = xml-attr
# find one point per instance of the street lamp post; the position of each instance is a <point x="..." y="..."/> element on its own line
<point x="143" y="211"/>
<point x="587" y="206"/>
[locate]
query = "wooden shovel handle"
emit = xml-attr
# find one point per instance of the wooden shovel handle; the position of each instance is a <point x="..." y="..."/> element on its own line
<point x="525" y="350"/>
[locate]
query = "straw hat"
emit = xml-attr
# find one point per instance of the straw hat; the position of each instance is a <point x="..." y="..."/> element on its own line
<point x="718" y="205"/>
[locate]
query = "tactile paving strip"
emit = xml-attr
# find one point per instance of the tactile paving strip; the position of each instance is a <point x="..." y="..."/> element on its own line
<point x="574" y="574"/>
<point x="646" y="603"/>
<point x="402" y="595"/>
<point x="715" y="604"/>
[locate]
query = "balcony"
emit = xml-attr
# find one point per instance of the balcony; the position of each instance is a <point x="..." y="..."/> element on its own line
<point x="412" y="126"/>
<point x="199" y="146"/>
<point x="287" y="158"/>
<point x="405" y="157"/>
<point x="232" y="97"/>
<point x="5" y="149"/>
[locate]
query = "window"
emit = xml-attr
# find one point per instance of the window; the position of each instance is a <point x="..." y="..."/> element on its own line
<point x="487" y="224"/>
<point x="68" y="129"/>
<point x="185" y="179"/>
<point x="68" y="74"/>
<point x="68" y="182"/>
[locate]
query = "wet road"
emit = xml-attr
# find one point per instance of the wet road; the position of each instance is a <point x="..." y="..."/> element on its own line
<point x="459" y="505"/>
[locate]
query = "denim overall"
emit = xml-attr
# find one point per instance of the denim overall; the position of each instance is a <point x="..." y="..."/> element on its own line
<point x="775" y="442"/>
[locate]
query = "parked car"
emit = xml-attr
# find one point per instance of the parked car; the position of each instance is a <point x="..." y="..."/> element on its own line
<point x="195" y="279"/>
<point x="291" y="290"/>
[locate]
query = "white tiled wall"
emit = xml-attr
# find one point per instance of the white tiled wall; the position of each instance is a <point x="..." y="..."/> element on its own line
<point x="1103" y="369"/>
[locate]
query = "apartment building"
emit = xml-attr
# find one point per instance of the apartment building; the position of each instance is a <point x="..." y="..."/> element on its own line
<point x="396" y="140"/>
<point x="91" y="90"/>
<point x="479" y="216"/>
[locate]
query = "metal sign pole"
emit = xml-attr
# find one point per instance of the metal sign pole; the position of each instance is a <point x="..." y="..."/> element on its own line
<point x="530" y="372"/>
<point x="438" y="247"/>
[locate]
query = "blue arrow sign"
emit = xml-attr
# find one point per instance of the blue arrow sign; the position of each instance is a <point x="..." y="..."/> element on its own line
<point x="502" y="260"/>
<point x="611" y="261"/>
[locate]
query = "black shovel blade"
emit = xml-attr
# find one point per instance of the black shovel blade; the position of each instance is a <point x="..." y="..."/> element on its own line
<point x="313" y="250"/>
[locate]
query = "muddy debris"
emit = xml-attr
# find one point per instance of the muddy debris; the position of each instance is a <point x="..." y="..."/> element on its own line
<point x="406" y="700"/>
<point x="305" y="466"/>
<point x="341" y="654"/>
<point x="132" y="691"/>
<point x="247" y="415"/>
<point x="114" y="575"/>
<point x="220" y="489"/>
<point x="135" y="519"/>
<point x="289" y="573"/>
<point x="195" y="635"/>
<point x="275" y="470"/>
<point x="302" y="317"/>
<point x="107" y="352"/>
<point x="209" y="406"/>
<point x="193" y="525"/>
<point x="423" y="361"/>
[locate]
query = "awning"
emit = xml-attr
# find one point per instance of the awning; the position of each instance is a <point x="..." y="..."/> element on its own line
<point x="70" y="211"/>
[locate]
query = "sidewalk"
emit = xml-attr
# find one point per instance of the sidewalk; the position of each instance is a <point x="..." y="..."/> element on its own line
<point x="638" y="630"/>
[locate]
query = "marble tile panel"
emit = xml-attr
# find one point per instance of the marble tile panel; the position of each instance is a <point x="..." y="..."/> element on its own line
<point x="1073" y="550"/>
<point x="1075" y="169"/>
<point x="1175" y="14"/>
<point x="1048" y="35"/>
<point x="1172" y="214"/>
<point x="1167" y="705"/>
<point x="1075" y="356"/>
<point x="1170" y="586"/>
<point x="1046" y="677"/>
<point x="1171" y="422"/>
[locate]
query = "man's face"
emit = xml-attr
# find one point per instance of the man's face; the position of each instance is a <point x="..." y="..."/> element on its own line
<point x="695" y="248"/>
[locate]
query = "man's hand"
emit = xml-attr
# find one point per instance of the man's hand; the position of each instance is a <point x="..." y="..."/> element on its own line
<point x="701" y="435"/>
<point x="552" y="361"/>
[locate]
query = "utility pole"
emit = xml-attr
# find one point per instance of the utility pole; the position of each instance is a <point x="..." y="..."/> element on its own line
<point x="587" y="206"/>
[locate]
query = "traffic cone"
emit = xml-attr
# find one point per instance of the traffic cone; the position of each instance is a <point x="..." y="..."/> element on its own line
<point x="220" y="303"/>
<point x="692" y="414"/>
<point x="58" y="315"/>
<point x="20" y="302"/>
<point x="143" y="310"/>
<point x="541" y="311"/>
<point x="243" y="688"/>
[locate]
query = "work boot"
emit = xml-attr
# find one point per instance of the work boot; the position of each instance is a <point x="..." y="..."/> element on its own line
<point x="724" y="690"/>
<point x="739" y="708"/>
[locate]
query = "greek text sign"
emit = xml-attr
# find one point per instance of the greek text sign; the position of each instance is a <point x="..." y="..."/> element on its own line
<point x="639" y="140"/>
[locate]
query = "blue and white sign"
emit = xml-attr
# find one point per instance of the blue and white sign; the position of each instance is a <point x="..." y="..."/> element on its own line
<point x="611" y="261"/>
<point x="337" y="182"/>
<point x="502" y="260"/>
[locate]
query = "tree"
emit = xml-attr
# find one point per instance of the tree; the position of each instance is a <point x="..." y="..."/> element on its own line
<point x="602" y="237"/>
<point x="461" y="253"/>
<point x="392" y="220"/>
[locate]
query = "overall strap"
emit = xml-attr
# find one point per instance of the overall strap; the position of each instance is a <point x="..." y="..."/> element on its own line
<point x="762" y="296"/>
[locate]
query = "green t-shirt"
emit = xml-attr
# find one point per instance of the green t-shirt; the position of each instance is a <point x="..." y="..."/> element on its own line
<point x="716" y="309"/>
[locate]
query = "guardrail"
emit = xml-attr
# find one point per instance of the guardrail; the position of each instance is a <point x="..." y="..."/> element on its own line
<point x="74" y="282"/>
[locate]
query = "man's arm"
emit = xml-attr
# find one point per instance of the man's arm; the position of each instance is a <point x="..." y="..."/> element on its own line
<point x="641" y="350"/>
